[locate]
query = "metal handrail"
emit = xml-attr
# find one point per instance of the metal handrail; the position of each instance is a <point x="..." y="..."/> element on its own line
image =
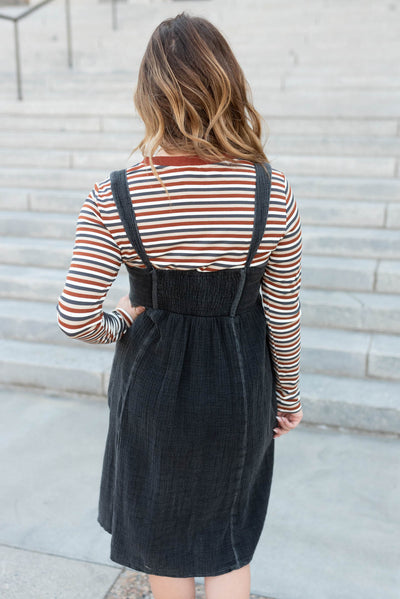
<point x="22" y="15"/>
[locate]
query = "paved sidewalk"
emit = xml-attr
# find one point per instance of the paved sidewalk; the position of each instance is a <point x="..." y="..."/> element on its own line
<point x="331" y="531"/>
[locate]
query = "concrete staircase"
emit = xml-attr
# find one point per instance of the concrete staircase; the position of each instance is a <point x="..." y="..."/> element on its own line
<point x="341" y="157"/>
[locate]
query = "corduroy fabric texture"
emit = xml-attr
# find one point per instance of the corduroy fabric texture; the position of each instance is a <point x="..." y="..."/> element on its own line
<point x="189" y="454"/>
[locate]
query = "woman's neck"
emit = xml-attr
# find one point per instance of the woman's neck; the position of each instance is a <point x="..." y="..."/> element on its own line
<point x="164" y="153"/>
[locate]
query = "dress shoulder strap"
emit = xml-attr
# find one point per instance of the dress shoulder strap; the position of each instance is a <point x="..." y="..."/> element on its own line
<point x="262" y="197"/>
<point x="123" y="201"/>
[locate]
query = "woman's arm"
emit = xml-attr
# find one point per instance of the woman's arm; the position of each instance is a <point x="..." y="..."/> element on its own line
<point x="95" y="263"/>
<point x="280" y="293"/>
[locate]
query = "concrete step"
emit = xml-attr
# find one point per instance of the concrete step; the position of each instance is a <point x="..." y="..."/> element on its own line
<point x="54" y="158"/>
<point x="350" y="353"/>
<point x="388" y="277"/>
<point x="346" y="213"/>
<point x="350" y="274"/>
<point x="14" y="123"/>
<point x="351" y="241"/>
<point x="53" y="200"/>
<point x="33" y="157"/>
<point x="347" y="166"/>
<point x="393" y="216"/>
<point x="43" y="253"/>
<point x="376" y="189"/>
<point x="75" y="369"/>
<point x="61" y="179"/>
<point x="350" y="311"/>
<point x="75" y="141"/>
<point x="42" y="284"/>
<point x="384" y="357"/>
<point x="341" y="81"/>
<point x="43" y="225"/>
<point x="36" y="322"/>
<point x="364" y="404"/>
<point x="333" y="145"/>
<point x="322" y="103"/>
<point x="328" y="351"/>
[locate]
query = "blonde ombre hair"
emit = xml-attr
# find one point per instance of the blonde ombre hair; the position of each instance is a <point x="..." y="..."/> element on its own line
<point x="193" y="97"/>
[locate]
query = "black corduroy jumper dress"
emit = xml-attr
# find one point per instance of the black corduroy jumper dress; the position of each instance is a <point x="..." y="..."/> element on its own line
<point x="188" y="461"/>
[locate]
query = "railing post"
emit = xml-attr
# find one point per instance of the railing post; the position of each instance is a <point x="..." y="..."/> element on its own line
<point x="69" y="36"/>
<point x="26" y="13"/>
<point x="17" y="59"/>
<point x="114" y="14"/>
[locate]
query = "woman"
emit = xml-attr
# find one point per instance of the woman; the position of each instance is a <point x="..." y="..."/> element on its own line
<point x="206" y="368"/>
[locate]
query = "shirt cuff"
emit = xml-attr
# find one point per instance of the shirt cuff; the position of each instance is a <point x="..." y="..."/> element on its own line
<point x="127" y="317"/>
<point x="296" y="407"/>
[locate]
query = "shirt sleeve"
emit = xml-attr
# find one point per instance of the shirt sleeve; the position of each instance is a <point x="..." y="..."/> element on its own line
<point x="95" y="263"/>
<point x="280" y="291"/>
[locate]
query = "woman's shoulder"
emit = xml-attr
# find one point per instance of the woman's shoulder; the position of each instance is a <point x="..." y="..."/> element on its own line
<point x="278" y="178"/>
<point x="102" y="189"/>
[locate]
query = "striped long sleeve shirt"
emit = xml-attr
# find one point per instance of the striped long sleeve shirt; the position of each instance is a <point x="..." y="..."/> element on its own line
<point x="207" y="225"/>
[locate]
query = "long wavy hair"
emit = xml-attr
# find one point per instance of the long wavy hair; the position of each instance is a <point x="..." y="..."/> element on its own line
<point x="193" y="97"/>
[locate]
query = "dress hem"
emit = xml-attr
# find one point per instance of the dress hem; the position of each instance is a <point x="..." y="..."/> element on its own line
<point x="141" y="568"/>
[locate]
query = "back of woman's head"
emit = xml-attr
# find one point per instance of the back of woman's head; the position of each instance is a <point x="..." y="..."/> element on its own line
<point x="193" y="97"/>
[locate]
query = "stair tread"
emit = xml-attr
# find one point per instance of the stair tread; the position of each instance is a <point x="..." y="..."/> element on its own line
<point x="359" y="391"/>
<point x="83" y="358"/>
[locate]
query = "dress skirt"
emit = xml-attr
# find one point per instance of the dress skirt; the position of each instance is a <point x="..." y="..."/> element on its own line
<point x="188" y="459"/>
